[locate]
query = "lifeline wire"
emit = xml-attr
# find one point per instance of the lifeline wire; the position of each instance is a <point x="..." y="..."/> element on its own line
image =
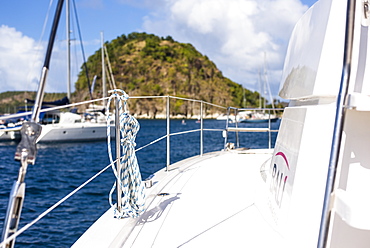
<point x="42" y="215"/>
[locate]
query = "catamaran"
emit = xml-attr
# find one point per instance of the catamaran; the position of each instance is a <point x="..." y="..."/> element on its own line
<point x="310" y="190"/>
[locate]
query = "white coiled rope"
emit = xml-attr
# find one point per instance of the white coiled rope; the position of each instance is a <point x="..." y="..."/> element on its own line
<point x="133" y="189"/>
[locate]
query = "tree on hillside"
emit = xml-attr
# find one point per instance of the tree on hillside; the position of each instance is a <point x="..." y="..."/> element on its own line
<point x="145" y="64"/>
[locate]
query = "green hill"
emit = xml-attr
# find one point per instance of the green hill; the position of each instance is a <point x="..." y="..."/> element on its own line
<point x="145" y="64"/>
<point x="10" y="101"/>
<point x="148" y="65"/>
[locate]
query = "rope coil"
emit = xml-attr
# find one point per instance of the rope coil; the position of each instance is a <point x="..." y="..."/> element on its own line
<point x="129" y="177"/>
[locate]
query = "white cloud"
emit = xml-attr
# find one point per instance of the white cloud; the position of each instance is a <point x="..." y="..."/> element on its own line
<point x="16" y="62"/>
<point x="236" y="34"/>
<point x="22" y="59"/>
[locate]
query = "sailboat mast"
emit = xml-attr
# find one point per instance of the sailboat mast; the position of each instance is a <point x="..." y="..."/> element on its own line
<point x="26" y="150"/>
<point x="244" y="100"/>
<point x="104" y="84"/>
<point x="45" y="68"/>
<point x="68" y="51"/>
<point x="267" y="85"/>
<point x="260" y="89"/>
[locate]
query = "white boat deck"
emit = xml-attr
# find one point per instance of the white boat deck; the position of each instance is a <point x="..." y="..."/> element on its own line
<point x="206" y="201"/>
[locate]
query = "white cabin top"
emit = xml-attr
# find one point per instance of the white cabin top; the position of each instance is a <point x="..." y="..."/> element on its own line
<point x="314" y="60"/>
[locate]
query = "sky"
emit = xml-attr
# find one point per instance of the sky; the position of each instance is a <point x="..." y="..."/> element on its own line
<point x="246" y="39"/>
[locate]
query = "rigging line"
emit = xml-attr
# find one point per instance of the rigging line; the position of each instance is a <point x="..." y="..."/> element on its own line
<point x="38" y="51"/>
<point x="184" y="132"/>
<point x="45" y="21"/>
<point x="82" y="49"/>
<point x="269" y="91"/>
<point x="110" y="67"/>
<point x="75" y="60"/>
<point x="20" y="231"/>
<point x="172" y="134"/>
<point x="109" y="78"/>
<point x="151" y="143"/>
<point x="45" y="68"/>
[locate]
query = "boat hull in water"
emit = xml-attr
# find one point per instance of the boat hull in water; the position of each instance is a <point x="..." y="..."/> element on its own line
<point x="70" y="127"/>
<point x="73" y="132"/>
<point x="251" y="120"/>
<point x="10" y="134"/>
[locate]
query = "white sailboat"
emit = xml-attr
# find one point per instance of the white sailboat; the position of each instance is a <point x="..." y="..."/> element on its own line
<point x="10" y="132"/>
<point x="261" y="115"/>
<point x="68" y="126"/>
<point x="309" y="191"/>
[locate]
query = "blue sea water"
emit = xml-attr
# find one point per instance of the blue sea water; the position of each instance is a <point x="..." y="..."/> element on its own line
<point x="61" y="167"/>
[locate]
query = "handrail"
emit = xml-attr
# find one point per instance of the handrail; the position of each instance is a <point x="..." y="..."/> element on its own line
<point x="168" y="133"/>
<point x="236" y="129"/>
<point x="338" y="124"/>
<point x="251" y="129"/>
<point x="179" y="98"/>
<point x="167" y="136"/>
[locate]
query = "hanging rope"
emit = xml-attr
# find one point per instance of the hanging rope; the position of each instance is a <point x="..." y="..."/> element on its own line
<point x="133" y="195"/>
